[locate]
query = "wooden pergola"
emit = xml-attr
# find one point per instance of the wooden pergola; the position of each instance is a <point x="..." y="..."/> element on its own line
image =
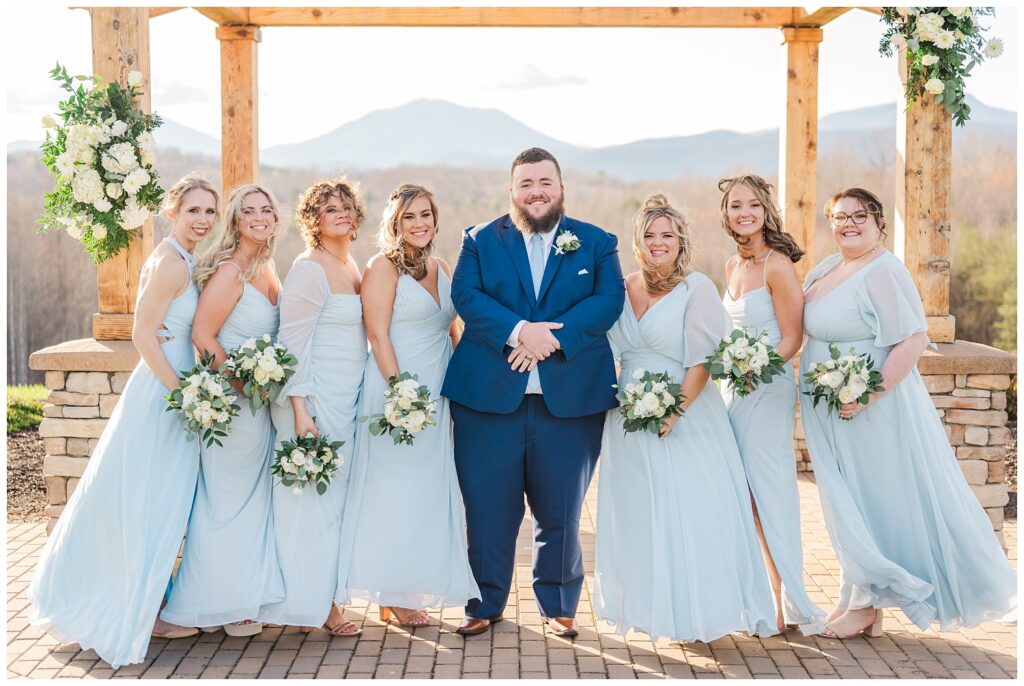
<point x="120" y="39"/>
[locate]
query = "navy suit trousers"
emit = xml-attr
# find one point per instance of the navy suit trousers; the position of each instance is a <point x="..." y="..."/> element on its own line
<point x="499" y="457"/>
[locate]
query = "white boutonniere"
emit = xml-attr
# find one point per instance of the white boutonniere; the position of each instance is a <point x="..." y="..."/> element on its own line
<point x="566" y="242"/>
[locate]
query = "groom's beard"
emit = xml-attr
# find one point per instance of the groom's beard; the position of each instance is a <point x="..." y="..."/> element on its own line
<point x="542" y="224"/>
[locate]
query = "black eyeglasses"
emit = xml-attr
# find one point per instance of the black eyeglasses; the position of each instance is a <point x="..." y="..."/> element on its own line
<point x="840" y="218"/>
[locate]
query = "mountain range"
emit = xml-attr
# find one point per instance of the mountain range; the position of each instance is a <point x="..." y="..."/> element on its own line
<point x="436" y="132"/>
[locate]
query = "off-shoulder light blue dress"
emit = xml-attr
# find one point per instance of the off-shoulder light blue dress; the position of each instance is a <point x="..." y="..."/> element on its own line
<point x="677" y="554"/>
<point x="907" y="529"/>
<point x="104" y="569"/>
<point x="403" y="537"/>
<point x="325" y="332"/>
<point x="763" y="425"/>
<point x="229" y="567"/>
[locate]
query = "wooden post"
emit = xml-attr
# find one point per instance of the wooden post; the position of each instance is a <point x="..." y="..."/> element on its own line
<point x="240" y="152"/>
<point x="924" y="145"/>
<point x="798" y="140"/>
<point x="120" y="44"/>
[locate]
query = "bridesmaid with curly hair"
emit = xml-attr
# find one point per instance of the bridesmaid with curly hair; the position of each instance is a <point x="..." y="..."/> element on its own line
<point x="322" y="325"/>
<point x="763" y="294"/>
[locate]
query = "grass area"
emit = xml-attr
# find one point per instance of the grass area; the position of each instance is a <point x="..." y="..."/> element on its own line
<point x="25" y="406"/>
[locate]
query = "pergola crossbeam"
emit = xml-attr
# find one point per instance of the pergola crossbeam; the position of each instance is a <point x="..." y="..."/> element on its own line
<point x="511" y="17"/>
<point x="819" y="16"/>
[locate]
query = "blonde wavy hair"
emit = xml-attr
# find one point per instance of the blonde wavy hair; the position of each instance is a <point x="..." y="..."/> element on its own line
<point x="176" y="194"/>
<point x="656" y="206"/>
<point x="407" y="258"/>
<point x="229" y="238"/>
<point x="310" y="208"/>
<point x="775" y="235"/>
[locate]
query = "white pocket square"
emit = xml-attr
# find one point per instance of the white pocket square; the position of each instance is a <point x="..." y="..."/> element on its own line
<point x="582" y="272"/>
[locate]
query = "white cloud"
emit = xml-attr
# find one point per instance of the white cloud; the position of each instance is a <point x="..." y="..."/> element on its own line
<point x="530" y="77"/>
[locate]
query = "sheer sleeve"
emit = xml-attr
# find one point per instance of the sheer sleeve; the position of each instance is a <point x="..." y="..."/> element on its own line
<point x="890" y="303"/>
<point x="302" y="299"/>
<point x="705" y="321"/>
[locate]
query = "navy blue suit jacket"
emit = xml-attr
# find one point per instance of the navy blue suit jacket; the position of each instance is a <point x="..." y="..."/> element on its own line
<point x="492" y="290"/>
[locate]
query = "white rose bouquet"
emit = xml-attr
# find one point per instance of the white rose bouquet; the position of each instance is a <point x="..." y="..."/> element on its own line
<point x="745" y="361"/>
<point x="648" y="403"/>
<point x="843" y="379"/>
<point x="262" y="366"/>
<point x="408" y="409"/>
<point x="102" y="160"/>
<point x="307" y="461"/>
<point x="206" y="402"/>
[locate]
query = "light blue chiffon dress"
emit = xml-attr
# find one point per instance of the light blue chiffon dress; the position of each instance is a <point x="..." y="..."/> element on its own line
<point x="325" y="332"/>
<point x="763" y="425"/>
<point x="229" y="567"/>
<point x="677" y="554"/>
<point x="907" y="529"/>
<point x="403" y="537"/>
<point x="104" y="569"/>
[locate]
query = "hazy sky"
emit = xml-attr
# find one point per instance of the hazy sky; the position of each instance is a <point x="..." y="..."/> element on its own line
<point x="584" y="86"/>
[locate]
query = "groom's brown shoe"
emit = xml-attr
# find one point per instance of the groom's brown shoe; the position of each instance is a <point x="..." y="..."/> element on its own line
<point x="471" y="626"/>
<point x="563" y="627"/>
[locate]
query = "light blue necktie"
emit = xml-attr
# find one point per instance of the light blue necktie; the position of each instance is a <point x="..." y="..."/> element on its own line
<point x="537" y="272"/>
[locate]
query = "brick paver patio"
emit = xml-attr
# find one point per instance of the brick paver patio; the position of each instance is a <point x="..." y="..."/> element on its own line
<point x="521" y="648"/>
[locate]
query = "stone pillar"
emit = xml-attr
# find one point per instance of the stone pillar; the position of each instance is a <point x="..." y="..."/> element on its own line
<point x="85" y="378"/>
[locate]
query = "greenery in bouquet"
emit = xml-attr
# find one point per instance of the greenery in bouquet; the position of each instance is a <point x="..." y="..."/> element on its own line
<point x="647" y="404"/>
<point x="205" y="401"/>
<point x="262" y="367"/>
<point x="843" y="379"/>
<point x="408" y="409"/>
<point x="744" y="361"/>
<point x="307" y="461"/>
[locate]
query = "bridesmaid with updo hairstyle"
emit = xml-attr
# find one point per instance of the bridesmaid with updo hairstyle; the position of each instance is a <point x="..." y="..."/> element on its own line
<point x="322" y="325"/>
<point x="676" y="554"/>
<point x="907" y="529"/>
<point x="104" y="570"/>
<point x="229" y="567"/>
<point x="762" y="293"/>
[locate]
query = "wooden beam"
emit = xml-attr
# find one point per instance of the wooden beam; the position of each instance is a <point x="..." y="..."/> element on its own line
<point x="695" y="17"/>
<point x="225" y="15"/>
<point x="798" y="141"/>
<point x="924" y="147"/>
<point x="120" y="44"/>
<point x="160" y="11"/>
<point x="239" y="160"/>
<point x="819" y="16"/>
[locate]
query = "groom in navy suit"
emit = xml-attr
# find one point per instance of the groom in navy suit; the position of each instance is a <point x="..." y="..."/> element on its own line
<point x="529" y="385"/>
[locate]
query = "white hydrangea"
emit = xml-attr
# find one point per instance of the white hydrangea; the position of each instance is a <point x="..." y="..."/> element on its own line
<point x="898" y="41"/>
<point x="87" y="186"/>
<point x="934" y="86"/>
<point x="929" y="60"/>
<point x="120" y="158"/>
<point x="118" y="128"/>
<point x="66" y="164"/>
<point x="959" y="11"/>
<point x="99" y="232"/>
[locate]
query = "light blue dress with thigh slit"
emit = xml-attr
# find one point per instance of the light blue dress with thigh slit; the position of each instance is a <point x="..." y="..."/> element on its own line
<point x="763" y="424"/>
<point x="906" y="527"/>
<point x="103" y="572"/>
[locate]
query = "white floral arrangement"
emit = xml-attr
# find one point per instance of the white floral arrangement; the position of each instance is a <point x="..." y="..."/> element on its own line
<point x="745" y="361"/>
<point x="205" y="401"/>
<point x="943" y="45"/>
<point x="843" y="379"/>
<point x="307" y="461"/>
<point x="262" y="366"/>
<point x="566" y="242"/>
<point x="102" y="159"/>
<point x="648" y="403"/>
<point x="408" y="409"/>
